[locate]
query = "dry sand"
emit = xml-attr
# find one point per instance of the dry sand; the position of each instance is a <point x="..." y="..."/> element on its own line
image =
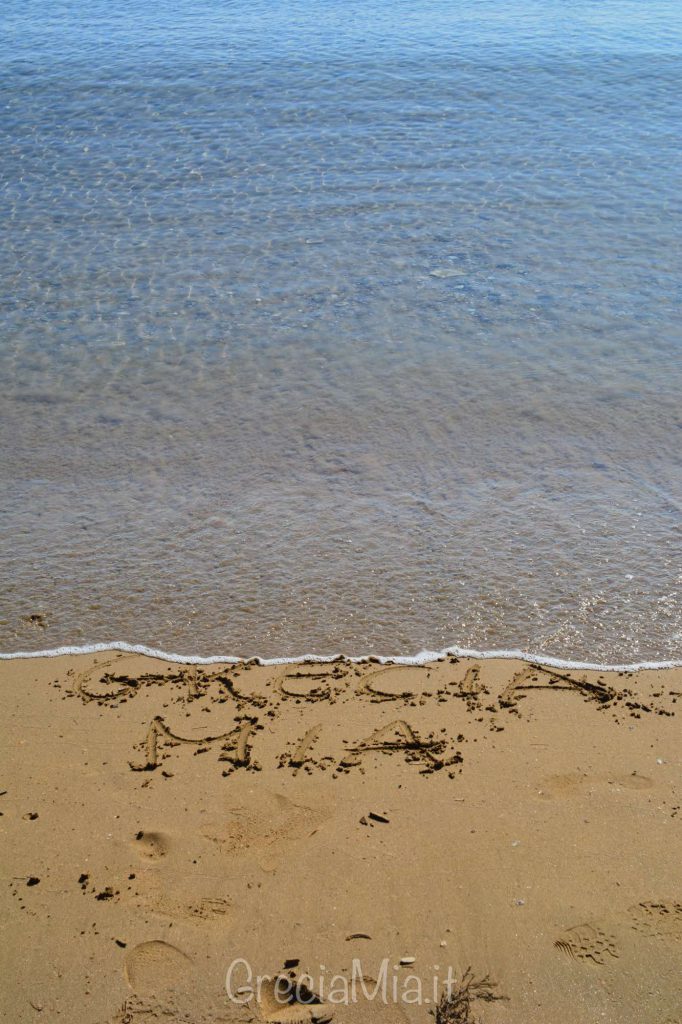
<point x="159" y="821"/>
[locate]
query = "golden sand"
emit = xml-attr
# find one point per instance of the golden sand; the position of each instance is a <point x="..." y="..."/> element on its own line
<point x="161" y="821"/>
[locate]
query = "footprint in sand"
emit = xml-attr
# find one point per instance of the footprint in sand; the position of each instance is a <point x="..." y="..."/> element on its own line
<point x="588" y="942"/>
<point x="202" y="908"/>
<point x="566" y="784"/>
<point x="632" y="781"/>
<point x="281" y="1001"/>
<point x="156" y="966"/>
<point x="659" y="919"/>
<point x="279" y="819"/>
<point x="654" y="919"/>
<point x="575" y="783"/>
<point x="151" y="845"/>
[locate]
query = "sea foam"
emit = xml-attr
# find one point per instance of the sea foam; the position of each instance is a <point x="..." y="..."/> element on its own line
<point x="414" y="659"/>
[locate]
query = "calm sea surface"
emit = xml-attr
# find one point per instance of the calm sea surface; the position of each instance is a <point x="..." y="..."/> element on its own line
<point x="335" y="325"/>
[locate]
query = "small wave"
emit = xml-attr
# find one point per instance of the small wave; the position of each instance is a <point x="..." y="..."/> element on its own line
<point x="414" y="659"/>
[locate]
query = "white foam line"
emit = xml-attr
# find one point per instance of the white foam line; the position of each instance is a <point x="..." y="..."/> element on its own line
<point x="416" y="659"/>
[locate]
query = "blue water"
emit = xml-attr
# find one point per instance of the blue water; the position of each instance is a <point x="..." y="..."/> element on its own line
<point x="338" y="326"/>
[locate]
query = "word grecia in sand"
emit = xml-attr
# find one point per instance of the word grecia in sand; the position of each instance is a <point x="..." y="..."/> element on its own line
<point x="261" y="696"/>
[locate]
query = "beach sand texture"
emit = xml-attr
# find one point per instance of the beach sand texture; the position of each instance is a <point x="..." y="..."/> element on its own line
<point x="161" y="820"/>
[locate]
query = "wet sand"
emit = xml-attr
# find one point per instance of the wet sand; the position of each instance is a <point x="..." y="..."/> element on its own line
<point x="161" y="821"/>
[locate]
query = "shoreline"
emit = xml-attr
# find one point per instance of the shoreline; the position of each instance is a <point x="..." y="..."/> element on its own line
<point x="421" y="658"/>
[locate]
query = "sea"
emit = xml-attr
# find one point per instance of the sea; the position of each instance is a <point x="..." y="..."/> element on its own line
<point x="331" y="326"/>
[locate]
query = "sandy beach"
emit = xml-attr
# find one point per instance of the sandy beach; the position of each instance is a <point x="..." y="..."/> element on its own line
<point x="350" y="328"/>
<point x="168" y="829"/>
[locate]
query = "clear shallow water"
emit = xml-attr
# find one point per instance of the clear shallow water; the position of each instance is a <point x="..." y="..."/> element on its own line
<point x="340" y="326"/>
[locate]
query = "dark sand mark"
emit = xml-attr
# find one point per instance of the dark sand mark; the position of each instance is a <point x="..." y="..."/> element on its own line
<point x="151" y="845"/>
